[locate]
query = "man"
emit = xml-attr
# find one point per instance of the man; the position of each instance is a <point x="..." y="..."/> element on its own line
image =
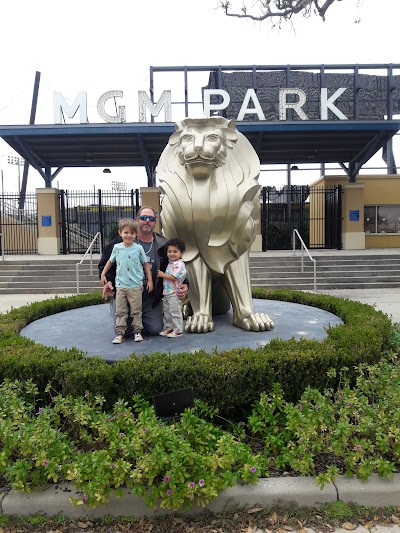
<point x="154" y="247"/>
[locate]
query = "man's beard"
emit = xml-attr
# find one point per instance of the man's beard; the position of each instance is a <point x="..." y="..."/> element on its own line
<point x="146" y="230"/>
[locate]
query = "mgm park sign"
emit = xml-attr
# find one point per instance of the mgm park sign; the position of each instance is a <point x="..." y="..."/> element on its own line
<point x="214" y="100"/>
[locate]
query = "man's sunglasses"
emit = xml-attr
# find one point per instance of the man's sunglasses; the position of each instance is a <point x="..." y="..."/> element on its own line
<point x="145" y="217"/>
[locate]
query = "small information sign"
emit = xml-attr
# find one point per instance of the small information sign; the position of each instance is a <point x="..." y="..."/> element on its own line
<point x="354" y="215"/>
<point x="46" y="220"/>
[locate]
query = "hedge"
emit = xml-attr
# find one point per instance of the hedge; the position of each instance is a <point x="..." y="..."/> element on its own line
<point x="242" y="374"/>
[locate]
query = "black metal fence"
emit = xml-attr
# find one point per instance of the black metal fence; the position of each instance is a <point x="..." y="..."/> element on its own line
<point x="18" y="227"/>
<point x="84" y="213"/>
<point x="315" y="212"/>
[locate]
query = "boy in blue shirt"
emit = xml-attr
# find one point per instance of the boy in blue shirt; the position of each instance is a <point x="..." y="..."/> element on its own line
<point x="131" y="260"/>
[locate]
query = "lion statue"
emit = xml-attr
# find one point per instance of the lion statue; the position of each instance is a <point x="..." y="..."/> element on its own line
<point x="210" y="198"/>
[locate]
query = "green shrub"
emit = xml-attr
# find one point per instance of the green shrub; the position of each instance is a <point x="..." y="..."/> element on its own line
<point x="242" y="373"/>
<point x="357" y="424"/>
<point x="174" y="464"/>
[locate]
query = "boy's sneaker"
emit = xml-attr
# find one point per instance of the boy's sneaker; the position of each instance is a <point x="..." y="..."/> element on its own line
<point x="165" y="333"/>
<point x="137" y="337"/>
<point x="118" y="339"/>
<point x="174" y="334"/>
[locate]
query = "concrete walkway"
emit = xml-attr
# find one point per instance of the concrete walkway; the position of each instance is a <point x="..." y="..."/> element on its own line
<point x="386" y="300"/>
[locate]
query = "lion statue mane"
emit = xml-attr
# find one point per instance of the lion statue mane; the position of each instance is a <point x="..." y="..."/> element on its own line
<point x="208" y="176"/>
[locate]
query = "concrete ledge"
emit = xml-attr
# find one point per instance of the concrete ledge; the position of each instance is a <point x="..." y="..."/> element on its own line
<point x="269" y="492"/>
<point x="288" y="492"/>
<point x="376" y="491"/>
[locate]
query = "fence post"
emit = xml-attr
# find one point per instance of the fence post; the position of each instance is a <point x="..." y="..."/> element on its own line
<point x="264" y="219"/>
<point x="101" y="225"/>
<point x="137" y="202"/>
<point x="63" y="223"/>
<point x="339" y="218"/>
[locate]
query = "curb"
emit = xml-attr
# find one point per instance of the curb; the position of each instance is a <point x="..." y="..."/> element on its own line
<point x="266" y="493"/>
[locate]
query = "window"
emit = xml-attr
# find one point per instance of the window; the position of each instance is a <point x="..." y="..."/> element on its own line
<point x="382" y="219"/>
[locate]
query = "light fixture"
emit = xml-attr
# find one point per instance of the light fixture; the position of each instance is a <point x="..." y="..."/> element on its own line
<point x="294" y="167"/>
<point x="106" y="171"/>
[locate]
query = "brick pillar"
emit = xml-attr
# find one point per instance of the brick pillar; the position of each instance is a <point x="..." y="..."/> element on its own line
<point x="353" y="235"/>
<point x="150" y="196"/>
<point x="49" y="229"/>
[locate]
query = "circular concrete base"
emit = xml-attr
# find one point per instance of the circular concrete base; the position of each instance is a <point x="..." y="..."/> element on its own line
<point x="90" y="329"/>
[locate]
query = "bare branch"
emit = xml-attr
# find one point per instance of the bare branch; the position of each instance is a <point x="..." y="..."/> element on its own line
<point x="282" y="9"/>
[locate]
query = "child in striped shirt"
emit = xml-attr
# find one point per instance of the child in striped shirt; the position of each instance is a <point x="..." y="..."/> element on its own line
<point x="173" y="276"/>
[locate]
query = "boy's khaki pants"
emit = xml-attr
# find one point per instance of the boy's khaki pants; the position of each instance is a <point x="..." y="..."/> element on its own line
<point x="133" y="297"/>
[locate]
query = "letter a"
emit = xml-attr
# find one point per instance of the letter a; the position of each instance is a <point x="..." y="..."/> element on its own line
<point x="246" y="110"/>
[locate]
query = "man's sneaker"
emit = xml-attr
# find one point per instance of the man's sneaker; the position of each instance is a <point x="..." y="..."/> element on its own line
<point x="118" y="339"/>
<point x="165" y="333"/>
<point x="174" y="334"/>
<point x="137" y="337"/>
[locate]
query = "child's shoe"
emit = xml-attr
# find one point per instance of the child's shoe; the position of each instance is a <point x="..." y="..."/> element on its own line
<point x="119" y="338"/>
<point x="137" y="337"/>
<point x="174" y="334"/>
<point x="165" y="333"/>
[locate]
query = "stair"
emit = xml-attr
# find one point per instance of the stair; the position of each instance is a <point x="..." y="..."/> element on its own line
<point x="366" y="270"/>
<point x="52" y="276"/>
<point x="335" y="270"/>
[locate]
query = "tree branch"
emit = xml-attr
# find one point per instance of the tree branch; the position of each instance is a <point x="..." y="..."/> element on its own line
<point x="284" y="9"/>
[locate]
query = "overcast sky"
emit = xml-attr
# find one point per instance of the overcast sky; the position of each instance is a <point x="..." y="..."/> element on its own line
<point x="96" y="46"/>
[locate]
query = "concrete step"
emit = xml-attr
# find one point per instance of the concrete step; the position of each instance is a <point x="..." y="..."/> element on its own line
<point x="57" y="274"/>
<point x="321" y="285"/>
<point x="70" y="267"/>
<point x="324" y="261"/>
<point x="39" y="280"/>
<point x="334" y="275"/>
<point x="48" y="290"/>
<point x="58" y="285"/>
<point x="334" y="271"/>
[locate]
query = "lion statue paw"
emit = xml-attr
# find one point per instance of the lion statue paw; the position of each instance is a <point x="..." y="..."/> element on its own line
<point x="199" y="324"/>
<point x="255" y="322"/>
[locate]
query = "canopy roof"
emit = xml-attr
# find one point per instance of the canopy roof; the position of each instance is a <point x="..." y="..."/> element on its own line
<point x="49" y="148"/>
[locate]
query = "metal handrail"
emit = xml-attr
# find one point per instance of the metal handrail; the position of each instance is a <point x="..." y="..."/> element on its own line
<point x="98" y="234"/>
<point x="304" y="247"/>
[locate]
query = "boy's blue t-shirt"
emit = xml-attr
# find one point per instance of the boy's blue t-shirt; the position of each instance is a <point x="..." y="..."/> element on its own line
<point x="129" y="265"/>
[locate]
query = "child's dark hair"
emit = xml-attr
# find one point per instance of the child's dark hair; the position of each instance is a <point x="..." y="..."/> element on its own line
<point x="178" y="243"/>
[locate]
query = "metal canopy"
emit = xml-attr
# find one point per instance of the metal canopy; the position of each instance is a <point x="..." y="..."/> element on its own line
<point x="46" y="147"/>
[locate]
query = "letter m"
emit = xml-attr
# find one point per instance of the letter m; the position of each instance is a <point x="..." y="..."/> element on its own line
<point x="62" y="108"/>
<point x="144" y="101"/>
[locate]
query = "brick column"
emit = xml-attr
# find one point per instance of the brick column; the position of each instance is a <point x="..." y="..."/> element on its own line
<point x="353" y="235"/>
<point x="49" y="229"/>
<point x="150" y="196"/>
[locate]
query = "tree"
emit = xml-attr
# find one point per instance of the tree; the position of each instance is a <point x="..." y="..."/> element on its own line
<point x="278" y="10"/>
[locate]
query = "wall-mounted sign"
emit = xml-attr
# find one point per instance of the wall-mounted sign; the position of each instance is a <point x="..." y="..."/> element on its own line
<point x="46" y="221"/>
<point x="354" y="215"/>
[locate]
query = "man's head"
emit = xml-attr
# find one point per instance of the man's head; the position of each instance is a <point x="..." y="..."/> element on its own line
<point x="146" y="221"/>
